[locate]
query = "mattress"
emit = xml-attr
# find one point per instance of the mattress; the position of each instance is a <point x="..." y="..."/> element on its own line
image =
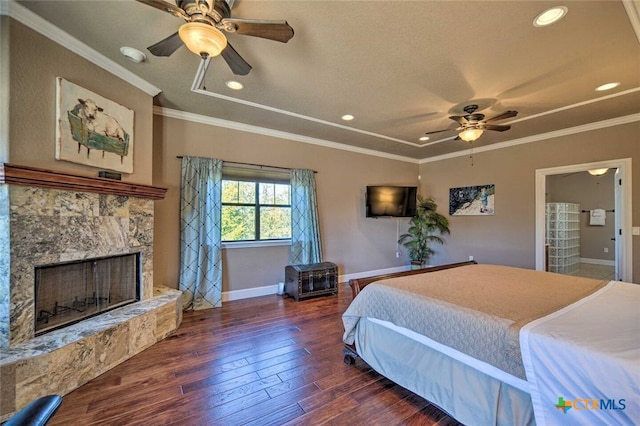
<point x="477" y="309"/>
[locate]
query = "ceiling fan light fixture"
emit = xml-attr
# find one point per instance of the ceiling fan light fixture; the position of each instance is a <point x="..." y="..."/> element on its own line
<point x="202" y="39"/>
<point x="470" y="135"/>
<point x="597" y="172"/>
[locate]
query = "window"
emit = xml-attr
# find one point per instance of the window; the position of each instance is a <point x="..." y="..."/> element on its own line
<point x="255" y="210"/>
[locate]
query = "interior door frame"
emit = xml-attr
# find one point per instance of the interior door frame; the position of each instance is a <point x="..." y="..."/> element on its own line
<point x="624" y="257"/>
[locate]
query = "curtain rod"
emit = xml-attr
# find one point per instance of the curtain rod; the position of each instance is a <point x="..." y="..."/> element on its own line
<point x="252" y="164"/>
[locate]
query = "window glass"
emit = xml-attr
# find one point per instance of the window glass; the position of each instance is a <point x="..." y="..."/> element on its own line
<point x="246" y="217"/>
<point x="246" y="192"/>
<point x="282" y="194"/>
<point x="238" y="223"/>
<point x="275" y="222"/>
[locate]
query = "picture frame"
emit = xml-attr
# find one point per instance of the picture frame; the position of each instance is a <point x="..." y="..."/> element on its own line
<point x="92" y="130"/>
<point x="476" y="200"/>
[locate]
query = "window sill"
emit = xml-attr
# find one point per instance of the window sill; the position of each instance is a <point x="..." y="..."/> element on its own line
<point x="254" y="244"/>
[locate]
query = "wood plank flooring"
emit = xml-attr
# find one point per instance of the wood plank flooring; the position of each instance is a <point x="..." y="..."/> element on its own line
<point x="262" y="361"/>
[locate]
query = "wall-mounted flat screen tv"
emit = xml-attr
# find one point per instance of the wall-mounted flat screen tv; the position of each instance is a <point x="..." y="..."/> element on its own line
<point x="391" y="201"/>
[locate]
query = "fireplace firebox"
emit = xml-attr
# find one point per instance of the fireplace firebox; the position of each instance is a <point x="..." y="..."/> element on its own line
<point x="68" y="292"/>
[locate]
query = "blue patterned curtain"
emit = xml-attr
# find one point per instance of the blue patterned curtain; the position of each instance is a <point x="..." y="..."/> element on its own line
<point x="200" y="235"/>
<point x="306" y="246"/>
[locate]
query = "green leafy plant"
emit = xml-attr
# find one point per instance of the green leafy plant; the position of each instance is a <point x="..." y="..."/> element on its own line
<point x="425" y="229"/>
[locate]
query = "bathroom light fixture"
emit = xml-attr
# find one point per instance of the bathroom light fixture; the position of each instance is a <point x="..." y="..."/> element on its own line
<point x="470" y="135"/>
<point x="550" y="16"/>
<point x="348" y="117"/>
<point x="597" y="172"/>
<point x="424" y="138"/>
<point x="202" y="39"/>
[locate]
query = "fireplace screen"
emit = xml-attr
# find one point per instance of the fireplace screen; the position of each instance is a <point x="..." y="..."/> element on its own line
<point x="68" y="292"/>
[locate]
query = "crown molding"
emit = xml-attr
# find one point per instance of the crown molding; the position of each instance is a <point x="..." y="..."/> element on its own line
<point x="211" y="121"/>
<point x="633" y="12"/>
<point x="47" y="29"/>
<point x="203" y="119"/>
<point x="540" y="137"/>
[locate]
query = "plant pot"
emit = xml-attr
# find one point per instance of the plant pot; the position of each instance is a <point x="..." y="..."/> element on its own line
<point x="416" y="264"/>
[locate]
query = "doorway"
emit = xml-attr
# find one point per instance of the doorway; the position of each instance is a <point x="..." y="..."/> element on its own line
<point x="580" y="224"/>
<point x="622" y="211"/>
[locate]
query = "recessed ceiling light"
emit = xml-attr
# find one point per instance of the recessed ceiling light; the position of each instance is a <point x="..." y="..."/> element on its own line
<point x="348" y="117"/>
<point x="235" y="85"/>
<point x="132" y="54"/>
<point x="608" y="86"/>
<point x="424" y="138"/>
<point x="550" y="16"/>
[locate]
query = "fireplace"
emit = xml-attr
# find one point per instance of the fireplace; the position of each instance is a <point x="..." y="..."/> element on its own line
<point x="68" y="292"/>
<point x="83" y="233"/>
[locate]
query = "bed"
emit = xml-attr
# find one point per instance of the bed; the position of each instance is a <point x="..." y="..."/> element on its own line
<point x="497" y="345"/>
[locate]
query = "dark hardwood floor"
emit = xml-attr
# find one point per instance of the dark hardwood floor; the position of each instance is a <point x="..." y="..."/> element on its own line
<point x="261" y="361"/>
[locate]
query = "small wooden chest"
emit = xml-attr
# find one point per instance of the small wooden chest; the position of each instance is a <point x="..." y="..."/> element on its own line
<point x="302" y="281"/>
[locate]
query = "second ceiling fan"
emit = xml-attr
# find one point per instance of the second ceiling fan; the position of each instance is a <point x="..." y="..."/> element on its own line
<point x="472" y="125"/>
<point x="202" y="32"/>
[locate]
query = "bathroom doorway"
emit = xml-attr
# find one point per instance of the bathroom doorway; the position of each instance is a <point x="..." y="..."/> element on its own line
<point x="620" y="215"/>
<point x="591" y="253"/>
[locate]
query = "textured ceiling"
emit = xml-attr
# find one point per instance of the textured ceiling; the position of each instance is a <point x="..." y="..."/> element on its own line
<point x="400" y="67"/>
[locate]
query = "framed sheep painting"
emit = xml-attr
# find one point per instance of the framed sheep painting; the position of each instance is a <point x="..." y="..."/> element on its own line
<point x="92" y="130"/>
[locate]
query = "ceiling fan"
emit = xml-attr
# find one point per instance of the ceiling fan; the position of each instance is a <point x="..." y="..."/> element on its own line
<point x="202" y="32"/>
<point x="473" y="124"/>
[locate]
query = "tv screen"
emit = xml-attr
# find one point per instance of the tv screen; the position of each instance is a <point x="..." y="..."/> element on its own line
<point x="391" y="201"/>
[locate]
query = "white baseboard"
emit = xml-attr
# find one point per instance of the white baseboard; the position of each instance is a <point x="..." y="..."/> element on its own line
<point x="347" y="277"/>
<point x="249" y="292"/>
<point x="273" y="288"/>
<point x="598" y="261"/>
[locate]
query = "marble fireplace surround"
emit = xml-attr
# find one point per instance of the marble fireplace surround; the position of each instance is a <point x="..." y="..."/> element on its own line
<point x="49" y="217"/>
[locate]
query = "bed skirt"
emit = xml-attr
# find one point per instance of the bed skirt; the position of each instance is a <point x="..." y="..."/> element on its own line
<point x="467" y="394"/>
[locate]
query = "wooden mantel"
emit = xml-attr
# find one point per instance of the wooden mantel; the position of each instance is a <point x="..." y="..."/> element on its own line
<point x="32" y="176"/>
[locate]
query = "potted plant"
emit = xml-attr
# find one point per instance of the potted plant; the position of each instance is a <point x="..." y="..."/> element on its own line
<point x="425" y="229"/>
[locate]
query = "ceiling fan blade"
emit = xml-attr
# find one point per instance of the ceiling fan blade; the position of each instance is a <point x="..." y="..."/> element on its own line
<point x="272" y="30"/>
<point x="496" y="127"/>
<point x="459" y="119"/>
<point x="167" y="46"/>
<point x="438" y="131"/>
<point x="504" y="115"/>
<point x="166" y="7"/>
<point x="237" y="64"/>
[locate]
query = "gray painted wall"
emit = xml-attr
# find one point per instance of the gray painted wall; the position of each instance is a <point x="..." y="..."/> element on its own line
<point x="508" y="237"/>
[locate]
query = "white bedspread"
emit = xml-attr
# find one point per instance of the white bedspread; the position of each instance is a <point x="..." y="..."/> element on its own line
<point x="587" y="358"/>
